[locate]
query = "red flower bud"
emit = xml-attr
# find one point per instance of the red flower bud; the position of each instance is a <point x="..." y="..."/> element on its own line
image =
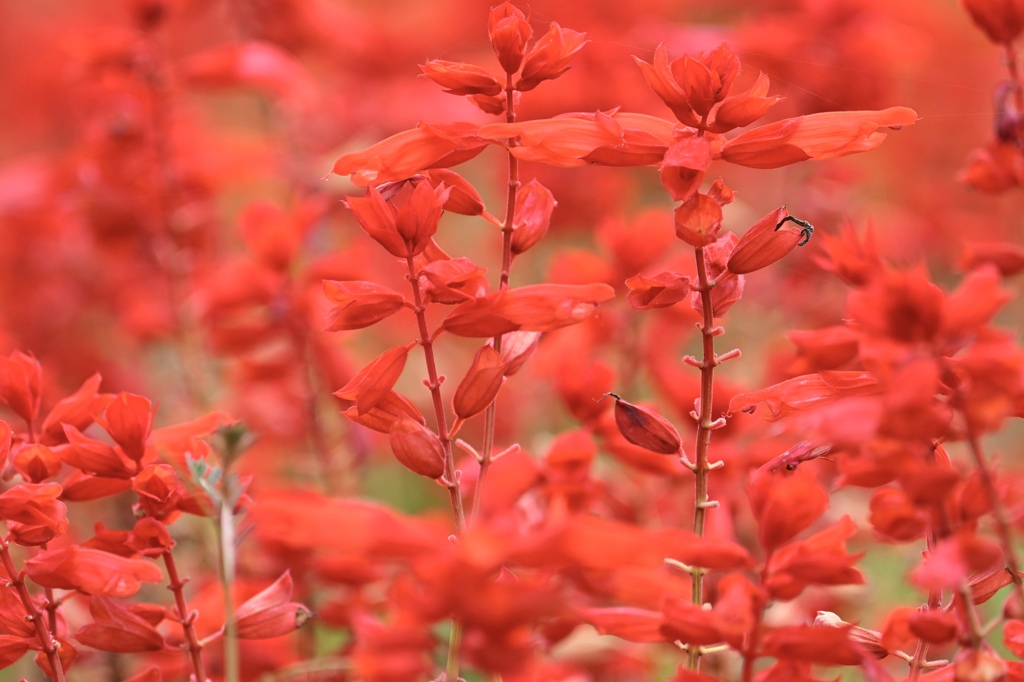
<point x="660" y="291"/>
<point x="417" y="448"/>
<point x="534" y="205"/>
<point x="644" y="427"/>
<point x="373" y="382"/>
<point x="481" y="383"/>
<point x="270" y="613"/>
<point x="128" y="420"/>
<point x="508" y="30"/>
<point x="771" y="238"/>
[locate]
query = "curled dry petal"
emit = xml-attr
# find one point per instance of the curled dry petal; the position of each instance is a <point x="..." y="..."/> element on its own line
<point x="644" y="427"/>
<point x="359" y="304"/>
<point x="417" y="448"/>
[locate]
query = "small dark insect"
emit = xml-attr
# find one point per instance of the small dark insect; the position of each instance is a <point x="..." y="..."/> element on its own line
<point x="802" y="452"/>
<point x="806" y="231"/>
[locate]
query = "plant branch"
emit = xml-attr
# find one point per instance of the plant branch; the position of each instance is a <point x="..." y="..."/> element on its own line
<point x="47" y="640"/>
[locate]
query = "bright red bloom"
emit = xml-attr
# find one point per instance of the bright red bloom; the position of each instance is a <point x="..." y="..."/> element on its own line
<point x="803" y="392"/>
<point x="404" y="223"/>
<point x="684" y="166"/>
<point x="118" y="629"/>
<point x="821" y="559"/>
<point x="94" y="456"/>
<point x="698" y="220"/>
<point x="853" y="262"/>
<point x="384" y="412"/>
<point x="452" y="281"/>
<point x="21" y="380"/>
<point x="129" y="420"/>
<point x="508" y="30"/>
<point x="33" y="513"/>
<point x="819" y="644"/>
<point x="271" y="613"/>
<point x="36" y="463"/>
<point x="827" y="135"/>
<point x="660" y="291"/>
<point x="537" y="307"/>
<point x="628" y="623"/>
<point x="458" y="78"/>
<point x="410" y="152"/>
<point x="159" y="489"/>
<point x="78" y="409"/>
<point x="692" y="87"/>
<point x="359" y="304"/>
<point x="373" y="382"/>
<point x="550" y="56"/>
<point x="784" y="506"/>
<point x="91" y="571"/>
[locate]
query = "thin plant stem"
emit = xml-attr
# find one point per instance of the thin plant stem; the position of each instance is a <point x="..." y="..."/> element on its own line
<point x="998" y="513"/>
<point x="175" y="585"/>
<point x="454" y="488"/>
<point x="47" y="640"/>
<point x="701" y="503"/>
<point x="490" y="415"/>
<point x="228" y="565"/>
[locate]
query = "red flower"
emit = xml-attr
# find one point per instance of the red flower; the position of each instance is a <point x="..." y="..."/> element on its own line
<point x="691" y="87"/>
<point x="628" y="623"/>
<point x="20" y="384"/>
<point x="91" y="571"/>
<point x="118" y="629"/>
<point x="550" y="56"/>
<point x="534" y="205"/>
<point x="538" y="307"/>
<point x="373" y="382"/>
<point x="660" y="291"/>
<point x="461" y="79"/>
<point x="129" y="420"/>
<point x="159" y="489"/>
<point x="33" y="513"/>
<point x="698" y="220"/>
<point x="828" y="135"/>
<point x="684" y="166"/>
<point x="508" y="30"/>
<point x="410" y="152"/>
<point x="405" y="222"/>
<point x="271" y="613"/>
<point x="359" y="304"/>
<point x="644" y="427"/>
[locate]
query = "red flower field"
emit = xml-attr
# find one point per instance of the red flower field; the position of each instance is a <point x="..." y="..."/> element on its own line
<point x="537" y="342"/>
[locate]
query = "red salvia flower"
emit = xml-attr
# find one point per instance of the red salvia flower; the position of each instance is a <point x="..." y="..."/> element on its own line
<point x="828" y="135"/>
<point x="691" y="87"/>
<point x="33" y="513"/>
<point x="159" y="489"/>
<point x="91" y="571"/>
<point x="1001" y="20"/>
<point x="768" y="241"/>
<point x="452" y="280"/>
<point x="21" y="384"/>
<point x="118" y="629"/>
<point x="458" y="78"/>
<point x="404" y="224"/>
<point x="534" y="205"/>
<point x="78" y="409"/>
<point x="659" y="291"/>
<point x="271" y="613"/>
<point x="684" y="165"/>
<point x="359" y="304"/>
<point x="36" y="463"/>
<point x="698" y="220"/>
<point x="373" y="382"/>
<point x="129" y="420"/>
<point x="537" y="307"/>
<point x="550" y="56"/>
<point x="410" y="152"/>
<point x="509" y="31"/>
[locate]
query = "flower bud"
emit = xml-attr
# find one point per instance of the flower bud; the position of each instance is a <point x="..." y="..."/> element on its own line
<point x="508" y="30"/>
<point x="771" y="238"/>
<point x="481" y="384"/>
<point x="417" y="448"/>
<point x="646" y="428"/>
<point x="534" y="206"/>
